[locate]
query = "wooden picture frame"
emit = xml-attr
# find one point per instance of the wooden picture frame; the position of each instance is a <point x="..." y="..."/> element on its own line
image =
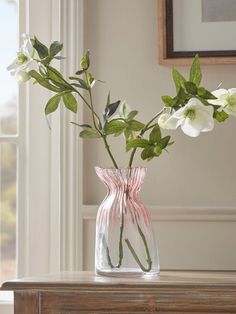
<point x="167" y="55"/>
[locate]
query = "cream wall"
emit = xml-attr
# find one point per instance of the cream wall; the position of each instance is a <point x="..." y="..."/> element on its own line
<point x="198" y="176"/>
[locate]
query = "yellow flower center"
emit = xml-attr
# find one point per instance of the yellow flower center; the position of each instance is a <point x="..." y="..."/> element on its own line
<point x="231" y="100"/>
<point x="190" y="113"/>
<point x="21" y="59"/>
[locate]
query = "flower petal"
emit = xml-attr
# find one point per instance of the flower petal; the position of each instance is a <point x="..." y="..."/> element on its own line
<point x="221" y="95"/>
<point x="167" y="121"/>
<point x="188" y="129"/>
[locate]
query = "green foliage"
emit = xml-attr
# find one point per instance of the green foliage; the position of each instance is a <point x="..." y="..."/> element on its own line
<point x="220" y="116"/>
<point x="134" y="125"/>
<point x="115" y="127"/>
<point x="155" y="135"/>
<point x="153" y="146"/>
<point x="168" y="101"/>
<point x="41" y="49"/>
<point x="137" y="143"/>
<point x="190" y="87"/>
<point x="205" y="94"/>
<point x="52" y="104"/>
<point x="85" y="125"/>
<point x="70" y="102"/>
<point x="55" y="48"/>
<point x="90" y="133"/>
<point x="85" y="62"/>
<point x="195" y="74"/>
<point x="44" y="82"/>
<point x="178" y="80"/>
<point x="126" y="124"/>
<point x="131" y="115"/>
<point x="110" y="110"/>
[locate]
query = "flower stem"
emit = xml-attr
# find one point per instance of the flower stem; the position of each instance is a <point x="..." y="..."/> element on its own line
<point x="135" y="256"/>
<point x="91" y="107"/>
<point x="109" y="151"/>
<point x="109" y="261"/>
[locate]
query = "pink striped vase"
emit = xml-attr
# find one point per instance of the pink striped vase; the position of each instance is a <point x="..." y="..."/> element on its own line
<point x="125" y="242"/>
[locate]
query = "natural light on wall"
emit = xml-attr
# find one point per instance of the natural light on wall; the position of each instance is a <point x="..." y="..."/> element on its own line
<point x="8" y="140"/>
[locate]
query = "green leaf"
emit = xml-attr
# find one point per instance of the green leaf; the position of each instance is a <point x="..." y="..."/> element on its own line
<point x="85" y="62"/>
<point x="110" y="110"/>
<point x="195" y="74"/>
<point x="168" y="101"/>
<point x="148" y="153"/>
<point x="191" y="88"/>
<point x="52" y="104"/>
<point x="180" y="99"/>
<point x="41" y="49"/>
<point x="81" y="125"/>
<point x="70" y="102"/>
<point x="220" y="116"/>
<point x="44" y="82"/>
<point x="108" y="99"/>
<point x="155" y="134"/>
<point x="158" y="151"/>
<point x="90" y="133"/>
<point x="79" y="72"/>
<point x="163" y="143"/>
<point x="138" y="142"/>
<point x="57" y="78"/>
<point x="91" y="80"/>
<point x="55" y="48"/>
<point x="135" y="125"/>
<point x="129" y="135"/>
<point x="204" y="93"/>
<point x="178" y="79"/>
<point x="115" y="127"/>
<point x="131" y="115"/>
<point x="83" y="84"/>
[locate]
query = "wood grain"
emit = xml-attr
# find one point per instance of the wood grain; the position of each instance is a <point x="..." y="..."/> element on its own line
<point x="85" y="292"/>
<point x="26" y="302"/>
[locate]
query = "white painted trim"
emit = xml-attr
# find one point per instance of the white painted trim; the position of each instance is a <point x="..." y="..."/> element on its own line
<point x="71" y="160"/>
<point x="22" y="210"/>
<point x="39" y="158"/>
<point x="209" y="214"/>
<point x="55" y="162"/>
<point x="9" y="139"/>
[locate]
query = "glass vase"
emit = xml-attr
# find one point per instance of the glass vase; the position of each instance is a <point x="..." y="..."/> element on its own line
<point x="125" y="242"/>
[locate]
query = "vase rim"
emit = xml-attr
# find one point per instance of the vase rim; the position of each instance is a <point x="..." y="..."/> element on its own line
<point x="118" y="169"/>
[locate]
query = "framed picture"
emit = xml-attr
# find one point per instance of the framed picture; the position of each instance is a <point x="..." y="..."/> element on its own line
<point x="204" y="27"/>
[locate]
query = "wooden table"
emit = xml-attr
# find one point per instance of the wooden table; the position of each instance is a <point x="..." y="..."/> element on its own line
<point x="84" y="292"/>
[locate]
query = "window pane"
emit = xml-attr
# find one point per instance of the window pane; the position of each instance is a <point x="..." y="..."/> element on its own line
<point x="8" y="172"/>
<point x="9" y="46"/>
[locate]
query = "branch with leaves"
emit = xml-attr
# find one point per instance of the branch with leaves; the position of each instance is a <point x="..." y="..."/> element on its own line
<point x="193" y="108"/>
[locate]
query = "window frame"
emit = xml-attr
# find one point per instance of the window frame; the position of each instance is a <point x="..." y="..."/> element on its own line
<point x="48" y="197"/>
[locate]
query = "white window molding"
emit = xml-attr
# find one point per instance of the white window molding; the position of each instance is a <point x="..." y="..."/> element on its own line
<point x="37" y="150"/>
<point x="72" y="19"/>
<point x="49" y="227"/>
<point x="49" y="221"/>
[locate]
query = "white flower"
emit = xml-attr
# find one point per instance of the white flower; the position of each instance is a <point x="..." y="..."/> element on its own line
<point x="226" y="99"/>
<point x="167" y="121"/>
<point x="193" y="118"/>
<point x="24" y="57"/>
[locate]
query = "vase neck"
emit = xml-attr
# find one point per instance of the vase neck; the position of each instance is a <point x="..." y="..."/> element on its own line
<point x="129" y="180"/>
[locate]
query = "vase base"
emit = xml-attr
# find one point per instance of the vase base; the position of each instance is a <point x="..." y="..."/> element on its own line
<point x="128" y="273"/>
